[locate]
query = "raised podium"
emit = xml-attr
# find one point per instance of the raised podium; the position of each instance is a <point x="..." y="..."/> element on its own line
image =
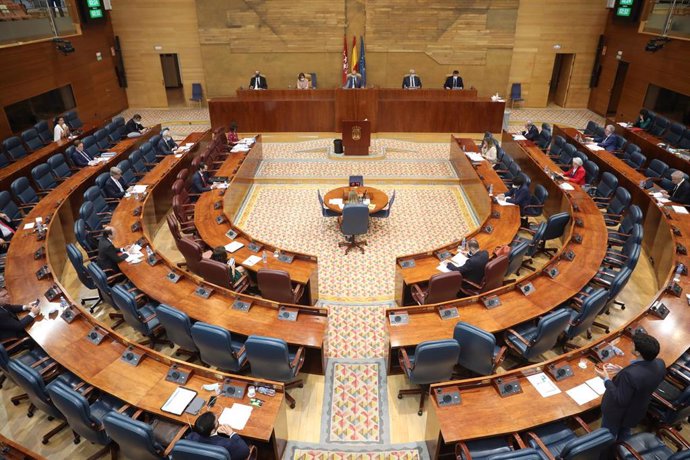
<point x="356" y="137"/>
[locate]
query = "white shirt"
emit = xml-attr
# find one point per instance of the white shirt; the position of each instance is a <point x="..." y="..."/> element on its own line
<point x="119" y="185"/>
<point x="58" y="133"/>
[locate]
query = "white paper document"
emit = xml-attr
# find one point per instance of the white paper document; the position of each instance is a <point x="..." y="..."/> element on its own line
<point x="29" y="226"/>
<point x="236" y="416"/>
<point x="138" y="188"/>
<point x="178" y="401"/>
<point x="623" y="124"/>
<point x="678" y="209"/>
<point x="566" y="186"/>
<point x="234" y="246"/>
<point x="503" y="202"/>
<point x="594" y="147"/>
<point x="519" y="137"/>
<point x="582" y="394"/>
<point x="543" y="384"/>
<point x="240" y="148"/>
<point x="473" y="156"/>
<point x="251" y="260"/>
<point x="458" y="259"/>
<point x="335" y="201"/>
<point x="597" y="384"/>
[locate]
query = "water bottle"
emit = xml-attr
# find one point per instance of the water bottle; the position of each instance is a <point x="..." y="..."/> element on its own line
<point x="276" y="253"/>
<point x="264" y="257"/>
<point x="491" y="190"/>
<point x="679" y="271"/>
<point x="63" y="303"/>
<point x="463" y="244"/>
<point x="149" y="251"/>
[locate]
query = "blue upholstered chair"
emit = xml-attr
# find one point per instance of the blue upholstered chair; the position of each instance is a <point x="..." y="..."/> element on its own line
<point x="636" y="160"/>
<point x="553" y="228"/>
<point x="14" y="147"/>
<point x="557" y="144"/>
<point x="483" y="449"/>
<point x="185" y="449"/>
<point x="591" y="172"/>
<point x="386" y="211"/>
<point x="558" y="440"/>
<point x="197" y="94"/>
<point x="142" y="318"/>
<point x="531" y="340"/>
<point x="522" y="454"/>
<point x="138" y="164"/>
<point x="86" y="240"/>
<point x="134" y="437"/>
<point x="582" y="318"/>
<point x="148" y="153"/>
<point x="217" y="348"/>
<point x="127" y="172"/>
<point x="43" y="177"/>
<point x="32" y="140"/>
<point x="479" y="352"/>
<point x="24" y="193"/>
<point x="270" y="358"/>
<point x="91" y="147"/>
<point x="178" y="328"/>
<point x="604" y="190"/>
<point x="652" y="446"/>
<point x="355" y="221"/>
<point x="77" y="259"/>
<point x="619" y="236"/>
<point x="24" y="351"/>
<point x="356" y="181"/>
<point x="535" y="208"/>
<point x="515" y="94"/>
<point x="94" y="223"/>
<point x="656" y="169"/>
<point x="9" y="207"/>
<point x="516" y="258"/>
<point x="618" y="204"/>
<point x="590" y="128"/>
<point x="325" y="211"/>
<point x="431" y="362"/>
<point x="670" y="404"/>
<point x="102" y="140"/>
<point x="43" y="131"/>
<point x="103" y="284"/>
<point x="59" y="167"/>
<point x="659" y="126"/>
<point x="102" y="205"/>
<point x="72" y="120"/>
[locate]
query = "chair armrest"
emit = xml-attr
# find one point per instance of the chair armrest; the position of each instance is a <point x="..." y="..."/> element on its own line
<point x="541" y="445"/>
<point x="601" y="281"/>
<point x="148" y="318"/>
<point x="518" y="336"/>
<point x="620" y="234"/>
<point x="14" y="343"/>
<point x="40" y="361"/>
<point x="461" y="449"/>
<point x="240" y="353"/>
<point x="474" y="285"/>
<point x="49" y="368"/>
<point x="540" y="206"/>
<point x="674" y="436"/>
<point x="629" y="448"/>
<point x="403" y="359"/>
<point x="500" y="356"/>
<point x="663" y="401"/>
<point x="299" y="358"/>
<point x="114" y="277"/>
<point x="418" y="290"/>
<point x="177" y="437"/>
<point x="582" y="424"/>
<point x="122" y="409"/>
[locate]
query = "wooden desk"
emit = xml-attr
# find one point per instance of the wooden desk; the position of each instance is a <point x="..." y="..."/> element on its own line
<point x="446" y="426"/>
<point x="378" y="198"/>
<point x="425" y="323"/>
<point x="10" y="450"/>
<point x="388" y="110"/>
<point x="66" y="343"/>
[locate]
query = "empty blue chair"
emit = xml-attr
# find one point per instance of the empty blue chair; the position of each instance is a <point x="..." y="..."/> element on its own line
<point x="120" y="130"/>
<point x="43" y="177"/>
<point x="43" y="131"/>
<point x="102" y="139"/>
<point x="591" y="128"/>
<point x="197" y="95"/>
<point x="544" y="138"/>
<point x="137" y="162"/>
<point x="355" y="222"/>
<point x="185" y="449"/>
<point x="133" y="437"/>
<point x="652" y="446"/>
<point x="531" y="340"/>
<point x="386" y="211"/>
<point x="356" y="181"/>
<point x="482" y="449"/>
<point x="94" y="222"/>
<point x="515" y="94"/>
<point x="32" y="140"/>
<point x="14" y="148"/>
<point x="557" y="144"/>
<point x="553" y="228"/>
<point x="636" y="160"/>
<point x="581" y="319"/>
<point x="148" y="153"/>
<point x="141" y="318"/>
<point x="619" y="236"/>
<point x="656" y="169"/>
<point x="604" y="190"/>
<point x="535" y="207"/>
<point x="26" y="353"/>
<point x="518" y="251"/>
<point x="91" y="147"/>
<point x="522" y="454"/>
<point x="659" y="126"/>
<point x="178" y="328"/>
<point x="670" y="403"/>
<point x="479" y="352"/>
<point x="100" y="278"/>
<point x="77" y="260"/>
<point x="217" y="348"/>
<point x="591" y="172"/>
<point x="24" y="193"/>
<point x="618" y="204"/>
<point x="102" y="205"/>
<point x="85" y="239"/>
<point x="431" y="362"/>
<point x="9" y="207"/>
<point x="270" y="358"/>
<point x="100" y="181"/>
<point x="4" y="159"/>
<point x="560" y="441"/>
<point x="59" y="167"/>
<point x="72" y="120"/>
<point x="325" y="211"/>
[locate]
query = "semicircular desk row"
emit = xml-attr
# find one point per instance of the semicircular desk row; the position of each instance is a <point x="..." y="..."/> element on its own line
<point x="480" y="398"/>
<point x="101" y="365"/>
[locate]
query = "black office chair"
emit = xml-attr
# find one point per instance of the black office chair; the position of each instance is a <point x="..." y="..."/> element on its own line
<point x="619" y="236"/>
<point x="75" y="257"/>
<point x="32" y="140"/>
<point x="553" y="228"/>
<point x="636" y="161"/>
<point x="656" y="169"/>
<point x="530" y="340"/>
<point x="591" y="128"/>
<point x="14" y="148"/>
<point x="516" y="258"/>
<point x="645" y="445"/>
<point x="583" y="316"/>
<point x="356" y="181"/>
<point x="659" y="126"/>
<point x="558" y="440"/>
<point x="140" y="440"/>
<point x="185" y="449"/>
<point x="591" y="172"/>
<point x="618" y="204"/>
<point x="557" y="144"/>
<point x="142" y="318"/>
<point x="178" y="328"/>
<point x="670" y="405"/>
<point x="270" y="358"/>
<point x="604" y="190"/>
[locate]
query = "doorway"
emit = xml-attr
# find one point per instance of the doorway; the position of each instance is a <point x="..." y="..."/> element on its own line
<point x="172" y="79"/>
<point x="617" y="88"/>
<point x="560" y="78"/>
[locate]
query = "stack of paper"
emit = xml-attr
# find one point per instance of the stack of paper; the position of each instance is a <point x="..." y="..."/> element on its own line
<point x="679" y="209"/>
<point x="594" y="147"/>
<point x="247" y="140"/>
<point x="458" y="259"/>
<point x="336" y="201"/>
<point x="543" y="384"/>
<point x="566" y="186"/>
<point x="178" y="401"/>
<point x="597" y="384"/>
<point x="236" y="417"/>
<point x="519" y="137"/>
<point x="473" y="156"/>
<point x="251" y="260"/>
<point x="234" y="246"/>
<point x="503" y="202"/>
<point x="582" y="394"/>
<point x="138" y="189"/>
<point x="240" y="148"/>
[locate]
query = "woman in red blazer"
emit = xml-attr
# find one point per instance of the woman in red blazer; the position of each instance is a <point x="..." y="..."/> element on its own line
<point x="576" y="173"/>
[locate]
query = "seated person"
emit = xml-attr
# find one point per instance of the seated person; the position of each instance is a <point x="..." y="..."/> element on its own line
<point x="473" y="269"/>
<point x="61" y="130"/>
<point x="233" y="138"/>
<point x="519" y="195"/>
<point x="489" y="150"/>
<point x="302" y="81"/>
<point x="167" y="146"/>
<point x="531" y="132"/>
<point x="12" y="327"/>
<point x="454" y="81"/>
<point x="576" y="173"/>
<point x="115" y="186"/>
<point x="643" y="121"/>
<point x="609" y="140"/>
<point x="411" y="81"/>
<point x="80" y="157"/>
<point x="258" y="81"/>
<point x="206" y="430"/>
<point x="200" y="180"/>
<point x="108" y="255"/>
<point x="219" y="254"/>
<point x="353" y="80"/>
<point x="7" y="231"/>
<point x="133" y="127"/>
<point x="681" y="190"/>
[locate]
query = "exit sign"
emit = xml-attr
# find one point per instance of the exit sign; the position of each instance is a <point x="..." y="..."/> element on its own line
<point x="95" y="9"/>
<point x="623" y="11"/>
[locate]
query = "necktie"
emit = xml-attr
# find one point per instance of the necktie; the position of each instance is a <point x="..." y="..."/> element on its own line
<point x="455" y="82"/>
<point x="675" y="189"/>
<point x="83" y="153"/>
<point x="119" y="185"/>
<point x="6" y="229"/>
<point x="411" y="81"/>
<point x="203" y="179"/>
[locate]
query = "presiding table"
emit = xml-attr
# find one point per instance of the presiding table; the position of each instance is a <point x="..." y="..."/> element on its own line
<point x="377" y="198"/>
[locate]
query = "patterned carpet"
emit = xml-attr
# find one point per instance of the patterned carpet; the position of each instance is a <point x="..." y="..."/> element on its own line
<point x="316" y="453"/>
<point x="360" y="331"/>
<point x="577" y="118"/>
<point x="424" y="217"/>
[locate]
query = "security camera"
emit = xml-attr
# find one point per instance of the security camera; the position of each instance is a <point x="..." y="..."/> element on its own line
<point x="63" y="46"/>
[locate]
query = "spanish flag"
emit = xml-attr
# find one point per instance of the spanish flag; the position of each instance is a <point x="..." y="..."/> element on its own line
<point x="354" y="59"/>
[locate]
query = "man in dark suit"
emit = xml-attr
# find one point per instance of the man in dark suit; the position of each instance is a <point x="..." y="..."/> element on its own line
<point x="258" y="81"/>
<point x="133" y="128"/>
<point x="629" y="389"/>
<point x="80" y="157"/>
<point x="353" y="81"/>
<point x="207" y="431"/>
<point x="10" y="325"/>
<point x="115" y="186"/>
<point x="681" y="191"/>
<point x="108" y="255"/>
<point x="412" y="81"/>
<point x="167" y="146"/>
<point x="454" y="81"/>
<point x="518" y="193"/>
<point x="531" y="132"/>
<point x="200" y="180"/>
<point x="7" y="231"/>
<point x="610" y="139"/>
<point x="473" y="269"/>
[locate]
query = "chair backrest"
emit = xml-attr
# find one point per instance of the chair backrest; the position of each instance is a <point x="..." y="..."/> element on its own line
<point x="275" y="285"/>
<point x="269" y="358"/>
<point x="4" y="160"/>
<point x="589" y="446"/>
<point x="14" y="147"/>
<point x="537" y="201"/>
<point x="599" y="132"/>
<point x="148" y="152"/>
<point x="185" y="449"/>
<point x="43" y="177"/>
<point x="23" y="192"/>
<point x="591" y="307"/>
<point x="32" y="383"/>
<point x="95" y="196"/>
<point x="557" y="144"/>
<point x="153" y="143"/>
<point x="215" y="272"/>
<point x="32" y="140"/>
<point x="355" y="219"/>
<point x="126" y="302"/>
<point x="179" y="188"/>
<point x="59" y="166"/>
<point x="87" y="213"/>
<point x="90" y="146"/>
<point x="632" y="217"/>
<point x="102" y="139"/>
<point x="84" y="238"/>
<point x="356" y="181"/>
<point x="434" y="361"/>
<point x="620" y="201"/>
<point x="8" y="206"/>
<point x="72" y="119"/>
<point x="636" y="160"/>
<point x="549" y="328"/>
<point x="101" y="280"/>
<point x="215" y="346"/>
<point x="581" y="155"/>
<point x="522" y="454"/>
<point x="516" y="91"/>
<point x="656" y="168"/>
<point x="75" y="257"/>
<point x="77" y="411"/>
<point x="659" y="125"/>
<point x="591" y="127"/>
<point x="184" y="173"/>
<point x="494" y="273"/>
<point x="684" y="142"/>
<point x="173" y="226"/>
<point x="132" y="436"/>
<point x="618" y="282"/>
<point x="43" y="131"/>
<point x="191" y="251"/>
<point x="177" y="325"/>
<point x="555" y="226"/>
<point x="517" y="254"/>
<point x="607" y="185"/>
<point x="137" y="161"/>
<point x="101" y="181"/>
<point x="591" y="172"/>
<point x="477" y="348"/>
<point x="443" y="287"/>
<point x="196" y="92"/>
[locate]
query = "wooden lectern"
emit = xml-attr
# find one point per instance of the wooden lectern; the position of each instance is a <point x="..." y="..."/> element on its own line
<point x="356" y="137"/>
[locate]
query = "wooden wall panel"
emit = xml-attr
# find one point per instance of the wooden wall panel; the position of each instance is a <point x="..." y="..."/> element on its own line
<point x="575" y="26"/>
<point x="668" y="68"/>
<point x="170" y="24"/>
<point x="32" y="69"/>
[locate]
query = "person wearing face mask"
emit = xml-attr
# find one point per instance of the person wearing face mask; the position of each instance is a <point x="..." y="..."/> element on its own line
<point x="609" y="140"/>
<point x="629" y="389"/>
<point x="411" y="81"/>
<point x="207" y="430"/>
<point x="473" y="268"/>
<point x="302" y="82"/>
<point x="61" y="130"/>
<point x="576" y="173"/>
<point x="258" y="81"/>
<point x="167" y="146"/>
<point x="79" y="156"/>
